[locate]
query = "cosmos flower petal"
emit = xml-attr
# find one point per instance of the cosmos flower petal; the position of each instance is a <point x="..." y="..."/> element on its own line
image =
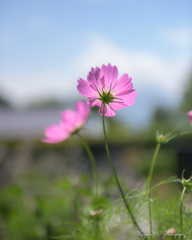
<point x="55" y="134"/>
<point x="123" y="93"/>
<point x="82" y="112"/>
<point x="94" y="79"/>
<point x="71" y="122"/>
<point x="103" y="88"/>
<point x="189" y="114"/>
<point x="123" y="84"/>
<point x="129" y="99"/>
<point x="117" y="105"/>
<point x="93" y="101"/>
<point x="83" y="108"/>
<point x="110" y="75"/>
<point x="68" y="115"/>
<point x="49" y="140"/>
<point x="90" y="76"/>
<point x="85" y="89"/>
<point x="108" y="111"/>
<point x="68" y="119"/>
<point x="93" y="75"/>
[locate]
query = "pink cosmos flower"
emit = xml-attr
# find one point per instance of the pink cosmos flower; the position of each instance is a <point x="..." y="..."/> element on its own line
<point x="103" y="89"/>
<point x="189" y="114"/>
<point x="71" y="122"/>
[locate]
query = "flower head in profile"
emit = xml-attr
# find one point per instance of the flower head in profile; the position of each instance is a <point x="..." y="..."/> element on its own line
<point x="189" y="114"/>
<point x="105" y="90"/>
<point x="71" y="122"/>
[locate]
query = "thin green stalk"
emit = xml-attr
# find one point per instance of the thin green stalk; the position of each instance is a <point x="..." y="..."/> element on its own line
<point x="118" y="183"/>
<point x="94" y="168"/>
<point x="97" y="230"/>
<point x="181" y="212"/>
<point x="149" y="185"/>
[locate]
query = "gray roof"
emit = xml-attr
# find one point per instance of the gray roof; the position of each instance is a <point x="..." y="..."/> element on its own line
<point x="31" y="123"/>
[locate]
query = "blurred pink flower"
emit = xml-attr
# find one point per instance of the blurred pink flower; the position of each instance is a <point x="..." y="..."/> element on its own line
<point x="71" y="122"/>
<point x="189" y="114"/>
<point x="104" y="89"/>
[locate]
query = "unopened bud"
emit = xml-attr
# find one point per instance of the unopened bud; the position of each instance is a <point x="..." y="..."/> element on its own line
<point x="187" y="183"/>
<point x="96" y="214"/>
<point x="171" y="231"/>
<point x="171" y="234"/>
<point x="160" y="138"/>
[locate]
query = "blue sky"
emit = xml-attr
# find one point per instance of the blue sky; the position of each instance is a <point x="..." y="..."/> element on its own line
<point x="47" y="45"/>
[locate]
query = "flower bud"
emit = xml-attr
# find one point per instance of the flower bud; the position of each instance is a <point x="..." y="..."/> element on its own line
<point x="96" y="214"/>
<point x="171" y="234"/>
<point x="171" y="231"/>
<point x="187" y="183"/>
<point x="160" y="137"/>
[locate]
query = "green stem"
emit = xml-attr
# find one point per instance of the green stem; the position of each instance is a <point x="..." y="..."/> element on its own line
<point x="94" y="168"/>
<point x="181" y="211"/>
<point x="118" y="183"/>
<point x="96" y="230"/>
<point x="149" y="185"/>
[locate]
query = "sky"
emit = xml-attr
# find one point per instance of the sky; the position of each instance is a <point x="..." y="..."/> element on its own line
<point x="46" y="45"/>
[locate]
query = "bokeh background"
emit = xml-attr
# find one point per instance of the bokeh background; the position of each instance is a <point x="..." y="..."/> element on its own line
<point x="45" y="46"/>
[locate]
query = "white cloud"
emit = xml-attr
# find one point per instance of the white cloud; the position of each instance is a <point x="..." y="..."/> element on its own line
<point x="177" y="37"/>
<point x="22" y="89"/>
<point x="148" y="70"/>
<point x="153" y="76"/>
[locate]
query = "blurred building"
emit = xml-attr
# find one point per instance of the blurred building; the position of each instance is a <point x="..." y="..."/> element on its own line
<point x="31" y="123"/>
